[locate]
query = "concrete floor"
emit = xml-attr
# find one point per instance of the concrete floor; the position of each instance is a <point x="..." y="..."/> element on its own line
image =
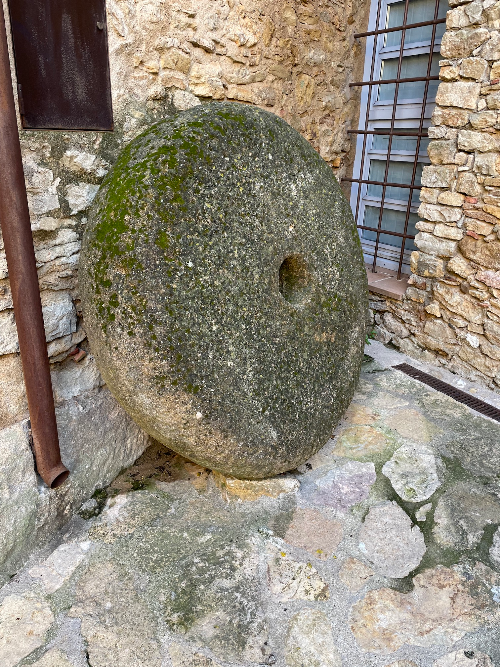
<point x="381" y="550"/>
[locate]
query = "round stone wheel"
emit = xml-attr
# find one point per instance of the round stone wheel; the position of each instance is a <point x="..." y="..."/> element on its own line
<point x="224" y="292"/>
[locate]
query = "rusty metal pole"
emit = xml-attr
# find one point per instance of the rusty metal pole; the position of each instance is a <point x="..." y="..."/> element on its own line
<point x="18" y="242"/>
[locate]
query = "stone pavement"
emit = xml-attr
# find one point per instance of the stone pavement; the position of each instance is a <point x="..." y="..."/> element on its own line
<point x="382" y="550"/>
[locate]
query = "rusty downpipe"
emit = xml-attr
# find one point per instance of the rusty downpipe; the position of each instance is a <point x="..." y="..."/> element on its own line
<point x="18" y="242"/>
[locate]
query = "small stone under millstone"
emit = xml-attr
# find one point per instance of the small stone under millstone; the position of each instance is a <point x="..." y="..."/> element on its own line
<point x="224" y="290"/>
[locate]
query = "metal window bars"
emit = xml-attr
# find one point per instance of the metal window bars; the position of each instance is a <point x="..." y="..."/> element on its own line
<point x="392" y="131"/>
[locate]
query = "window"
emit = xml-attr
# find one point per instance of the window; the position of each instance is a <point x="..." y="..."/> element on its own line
<point x="391" y="144"/>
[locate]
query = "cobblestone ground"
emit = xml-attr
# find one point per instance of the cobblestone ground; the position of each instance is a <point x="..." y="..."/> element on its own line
<point x="382" y="550"/>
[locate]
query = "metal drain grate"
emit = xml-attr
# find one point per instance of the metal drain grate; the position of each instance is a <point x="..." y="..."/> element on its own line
<point x="445" y="388"/>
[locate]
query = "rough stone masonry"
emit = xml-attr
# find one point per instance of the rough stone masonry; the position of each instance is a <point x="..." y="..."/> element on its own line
<point x="450" y="313"/>
<point x="294" y="59"/>
<point x="383" y="550"/>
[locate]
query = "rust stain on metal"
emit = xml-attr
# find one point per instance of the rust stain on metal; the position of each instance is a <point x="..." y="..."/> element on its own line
<point x="62" y="66"/>
<point x="18" y="242"/>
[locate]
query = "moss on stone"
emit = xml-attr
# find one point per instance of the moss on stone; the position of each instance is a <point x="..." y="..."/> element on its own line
<point x="180" y="271"/>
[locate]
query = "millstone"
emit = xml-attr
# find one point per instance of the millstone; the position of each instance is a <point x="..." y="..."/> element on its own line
<point x="224" y="290"/>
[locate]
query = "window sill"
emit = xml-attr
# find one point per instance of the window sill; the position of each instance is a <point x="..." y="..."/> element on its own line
<point x="385" y="282"/>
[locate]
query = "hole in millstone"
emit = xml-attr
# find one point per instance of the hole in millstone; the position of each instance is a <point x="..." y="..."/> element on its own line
<point x="295" y="280"/>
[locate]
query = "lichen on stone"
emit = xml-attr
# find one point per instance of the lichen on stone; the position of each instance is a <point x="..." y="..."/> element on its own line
<point x="224" y="289"/>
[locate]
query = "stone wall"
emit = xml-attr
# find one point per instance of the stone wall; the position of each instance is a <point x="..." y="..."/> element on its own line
<point x="292" y="58"/>
<point x="451" y="311"/>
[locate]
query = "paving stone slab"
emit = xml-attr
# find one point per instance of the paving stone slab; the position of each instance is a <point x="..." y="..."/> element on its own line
<point x="390" y="542"/>
<point x="175" y="566"/>
<point x="414" y="471"/>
